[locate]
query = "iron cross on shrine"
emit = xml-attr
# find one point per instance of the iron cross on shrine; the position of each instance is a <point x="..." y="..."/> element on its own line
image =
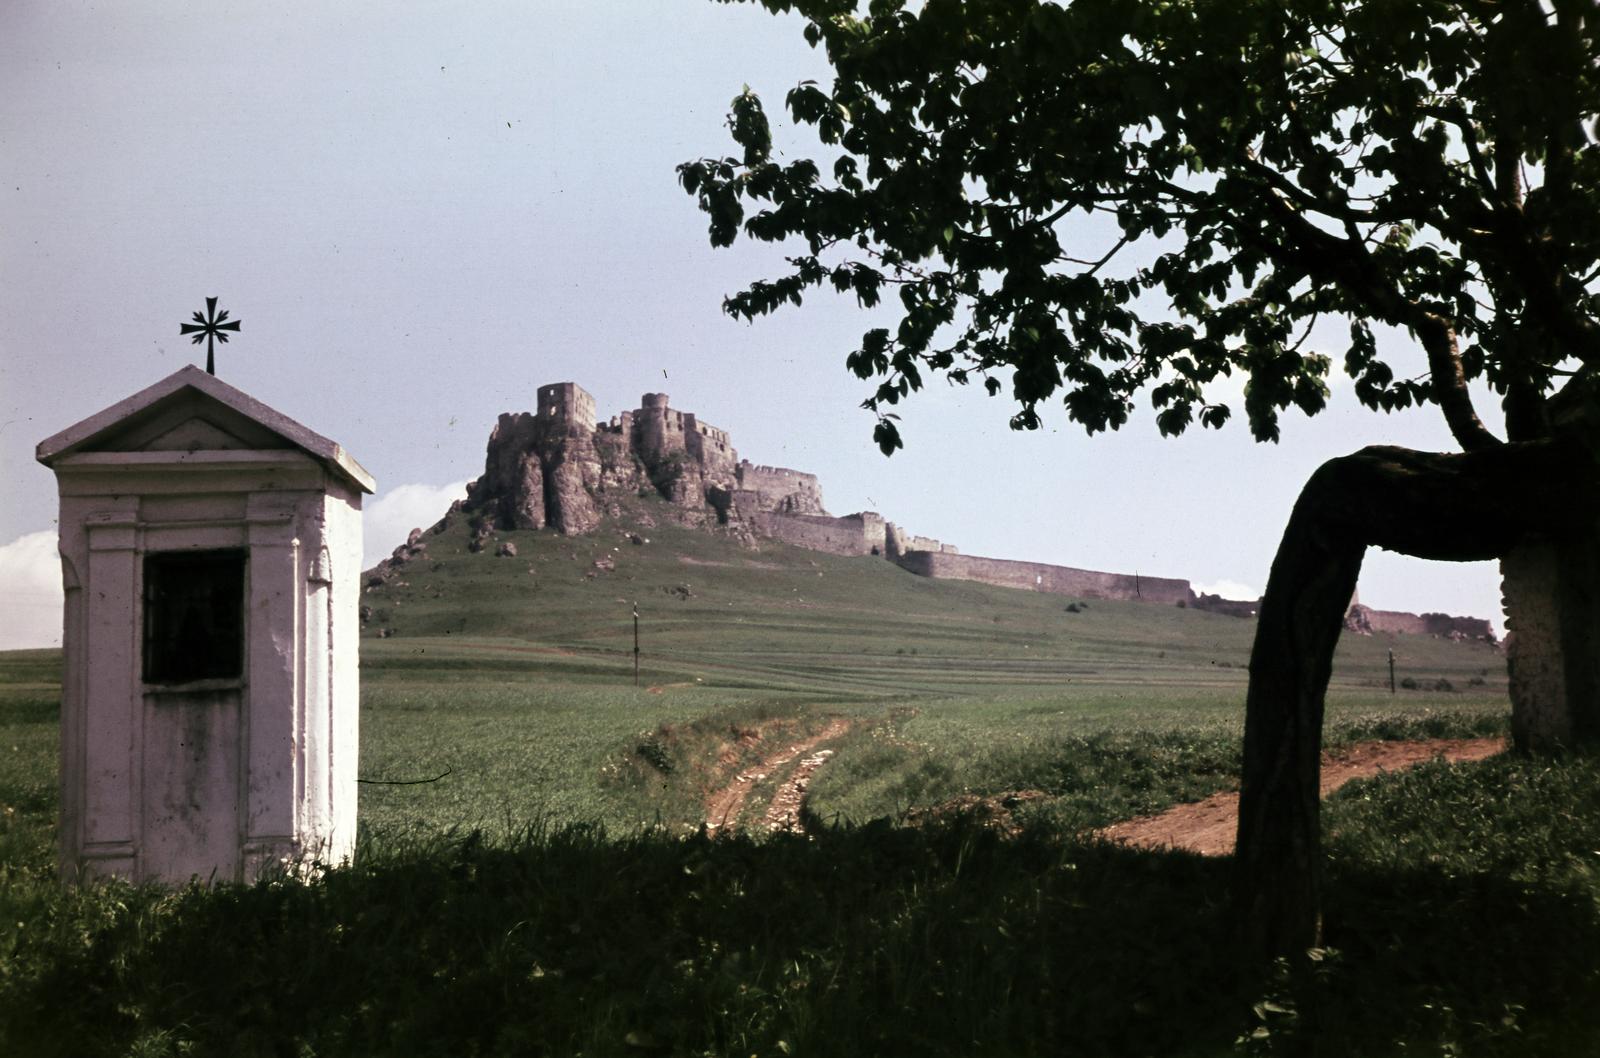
<point x="210" y="327"/>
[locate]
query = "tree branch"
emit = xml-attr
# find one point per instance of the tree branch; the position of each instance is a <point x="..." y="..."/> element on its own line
<point x="1346" y="262"/>
<point x="1449" y="381"/>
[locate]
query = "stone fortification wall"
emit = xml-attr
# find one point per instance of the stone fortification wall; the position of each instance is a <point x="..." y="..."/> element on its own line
<point x="781" y="489"/>
<point x="1366" y="620"/>
<point x="1231" y="607"/>
<point x="898" y="542"/>
<point x="1038" y="576"/>
<point x="711" y="448"/>
<point x="854" y="534"/>
<point x="901" y="543"/>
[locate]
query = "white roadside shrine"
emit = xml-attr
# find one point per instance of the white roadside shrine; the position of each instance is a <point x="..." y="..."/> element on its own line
<point x="211" y="553"/>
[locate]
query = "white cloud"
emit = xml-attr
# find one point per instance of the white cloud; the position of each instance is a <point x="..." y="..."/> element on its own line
<point x="387" y="519"/>
<point x="30" y="585"/>
<point x="1228" y="589"/>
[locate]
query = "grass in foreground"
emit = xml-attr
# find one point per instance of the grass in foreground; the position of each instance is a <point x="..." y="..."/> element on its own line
<point x="870" y="940"/>
<point x="464" y="929"/>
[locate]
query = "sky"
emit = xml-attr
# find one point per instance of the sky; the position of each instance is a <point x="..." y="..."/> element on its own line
<point x="421" y="212"/>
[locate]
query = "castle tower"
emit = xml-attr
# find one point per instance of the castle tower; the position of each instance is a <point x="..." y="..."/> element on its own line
<point x="567" y="401"/>
<point x="658" y="430"/>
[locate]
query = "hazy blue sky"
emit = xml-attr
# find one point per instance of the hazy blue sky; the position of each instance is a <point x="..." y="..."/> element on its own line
<point x="423" y="211"/>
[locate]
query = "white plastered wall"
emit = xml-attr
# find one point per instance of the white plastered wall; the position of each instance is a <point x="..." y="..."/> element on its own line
<point x="218" y="779"/>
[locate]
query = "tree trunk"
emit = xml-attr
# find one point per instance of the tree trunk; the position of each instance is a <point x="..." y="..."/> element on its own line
<point x="1551" y="591"/>
<point x="1480" y="505"/>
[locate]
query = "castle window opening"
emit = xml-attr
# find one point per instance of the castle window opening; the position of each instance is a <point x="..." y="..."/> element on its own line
<point x="193" y="616"/>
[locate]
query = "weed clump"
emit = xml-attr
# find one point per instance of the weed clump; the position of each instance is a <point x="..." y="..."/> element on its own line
<point x="653" y="751"/>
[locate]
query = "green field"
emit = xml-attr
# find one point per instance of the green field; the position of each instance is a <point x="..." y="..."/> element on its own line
<point x="516" y="673"/>
<point x="551" y="893"/>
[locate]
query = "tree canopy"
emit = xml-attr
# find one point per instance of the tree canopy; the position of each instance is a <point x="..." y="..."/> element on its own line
<point x="1255" y="165"/>
<point x="1424" y="164"/>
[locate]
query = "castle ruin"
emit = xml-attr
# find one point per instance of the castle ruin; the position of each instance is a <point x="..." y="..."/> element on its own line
<point x="559" y="468"/>
<point x="556" y="467"/>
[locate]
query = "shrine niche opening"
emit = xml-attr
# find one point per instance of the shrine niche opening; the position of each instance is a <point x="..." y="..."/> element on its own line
<point x="194" y="616"/>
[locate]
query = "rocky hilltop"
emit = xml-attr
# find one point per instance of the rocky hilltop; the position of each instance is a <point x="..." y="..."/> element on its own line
<point x="560" y="468"/>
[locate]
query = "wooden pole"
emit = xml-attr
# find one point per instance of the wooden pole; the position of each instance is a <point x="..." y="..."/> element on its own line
<point x="1391" y="670"/>
<point x="636" y="644"/>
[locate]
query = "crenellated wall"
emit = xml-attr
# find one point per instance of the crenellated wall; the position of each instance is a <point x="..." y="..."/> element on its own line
<point x="854" y="534"/>
<point x="1038" y="576"/>
<point x="781" y="489"/>
<point x="898" y="542"/>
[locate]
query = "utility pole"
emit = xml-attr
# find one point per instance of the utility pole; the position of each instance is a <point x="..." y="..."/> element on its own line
<point x="1391" y="670"/>
<point x="636" y="645"/>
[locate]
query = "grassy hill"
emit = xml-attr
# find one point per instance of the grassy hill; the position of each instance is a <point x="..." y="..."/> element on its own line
<point x="516" y="673"/>
<point x="783" y="618"/>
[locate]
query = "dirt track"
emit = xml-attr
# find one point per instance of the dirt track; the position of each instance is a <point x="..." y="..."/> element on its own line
<point x="1208" y="826"/>
<point x="724" y="805"/>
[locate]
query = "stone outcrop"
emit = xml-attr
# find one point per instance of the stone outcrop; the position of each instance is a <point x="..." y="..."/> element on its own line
<point x="558" y="468"/>
<point x="544" y="469"/>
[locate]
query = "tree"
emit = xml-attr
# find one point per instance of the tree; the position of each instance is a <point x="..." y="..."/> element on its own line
<point x="1421" y="164"/>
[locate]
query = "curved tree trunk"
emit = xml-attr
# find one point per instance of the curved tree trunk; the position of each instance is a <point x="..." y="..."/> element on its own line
<point x="1468" y="507"/>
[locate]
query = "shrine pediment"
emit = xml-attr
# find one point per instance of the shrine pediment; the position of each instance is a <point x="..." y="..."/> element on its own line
<point x="191" y="411"/>
<point x="193" y="434"/>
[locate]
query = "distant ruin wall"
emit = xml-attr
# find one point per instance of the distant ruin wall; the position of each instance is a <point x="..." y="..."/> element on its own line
<point x="1037" y="576"/>
<point x="899" y="542"/>
<point x="1231" y="607"/>
<point x="854" y="534"/>
<point x="1364" y="619"/>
